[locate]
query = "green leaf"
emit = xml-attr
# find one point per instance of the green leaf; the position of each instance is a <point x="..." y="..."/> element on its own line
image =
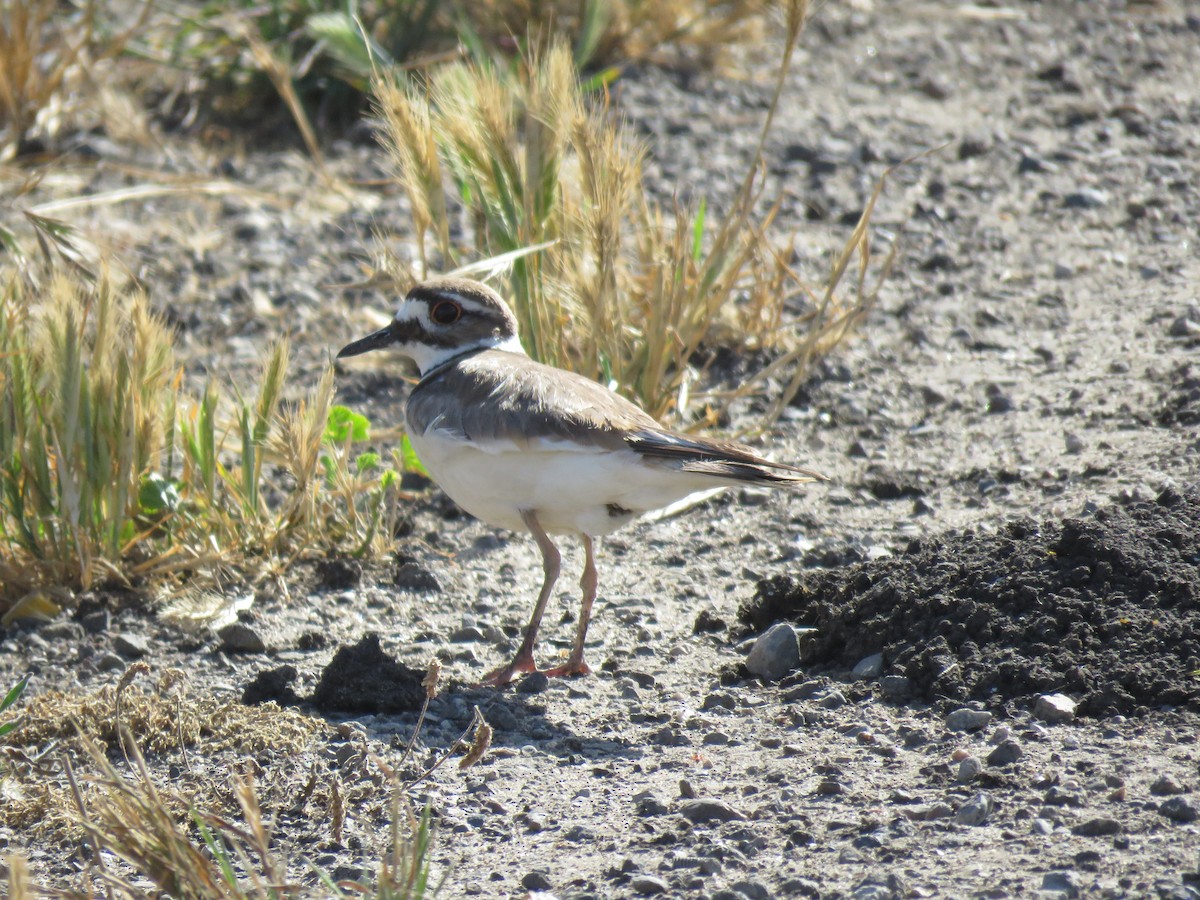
<point x="364" y="462"/>
<point x="343" y="421"/>
<point x="408" y="456"/>
<point x="158" y="494"/>
<point x="14" y="695"/>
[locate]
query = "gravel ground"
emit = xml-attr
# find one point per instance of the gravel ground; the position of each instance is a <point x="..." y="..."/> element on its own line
<point x="1000" y="696"/>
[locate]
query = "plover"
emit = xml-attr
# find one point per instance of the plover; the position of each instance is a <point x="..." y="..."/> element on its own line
<point x="529" y="447"/>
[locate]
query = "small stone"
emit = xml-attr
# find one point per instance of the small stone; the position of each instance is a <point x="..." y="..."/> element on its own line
<point x="533" y="683"/>
<point x="648" y="884"/>
<point x="1098" y="827"/>
<point x="869" y="666"/>
<point x="967" y="719"/>
<point x="1001" y="734"/>
<point x="708" y="809"/>
<point x="1179" y="809"/>
<point x="1087" y="198"/>
<point x="97" y="622"/>
<point x="649" y="804"/>
<point x="1042" y="826"/>
<point x="131" y="645"/>
<point x="239" y="637"/>
<point x="1074" y="443"/>
<point x="1054" y="708"/>
<point x="109" y="662"/>
<point x="896" y="687"/>
<point x="775" y="653"/>
<point x="969" y="769"/>
<point x="417" y="578"/>
<point x="1066" y="882"/>
<point x="1166" y="786"/>
<point x="1184" y="327"/>
<point x="751" y="890"/>
<point x="975" y="811"/>
<point x="468" y="634"/>
<point x="833" y="699"/>
<point x="535" y="881"/>
<point x="1005" y="754"/>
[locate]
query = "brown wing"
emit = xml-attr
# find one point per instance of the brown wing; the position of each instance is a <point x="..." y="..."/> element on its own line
<point x="499" y="396"/>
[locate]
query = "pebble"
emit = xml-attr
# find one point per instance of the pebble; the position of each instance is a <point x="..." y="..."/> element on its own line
<point x="1006" y="753"/>
<point x="533" y="683"/>
<point x="468" y="634"/>
<point x="975" y="811"/>
<point x="969" y="769"/>
<point x="1064" y="882"/>
<point x="833" y="699"/>
<point x="97" y="622"/>
<point x="109" y="662"/>
<point x="1042" y="826"/>
<point x="1000" y="735"/>
<point x="648" y="884"/>
<point x="896" y="687"/>
<point x="708" y="809"/>
<point x="1166" y="786"/>
<point x="238" y="637"/>
<point x="1074" y="443"/>
<point x="535" y="881"/>
<point x="131" y="645"/>
<point x="967" y="719"/>
<point x="417" y="578"/>
<point x="1098" y="827"/>
<point x="1183" y="327"/>
<point x="751" y="890"/>
<point x="775" y="653"/>
<point x="1179" y="809"/>
<point x="1054" y="708"/>
<point x="1087" y="198"/>
<point x="649" y="804"/>
<point x="869" y="666"/>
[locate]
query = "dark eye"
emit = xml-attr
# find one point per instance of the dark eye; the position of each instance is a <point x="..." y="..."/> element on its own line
<point x="445" y="312"/>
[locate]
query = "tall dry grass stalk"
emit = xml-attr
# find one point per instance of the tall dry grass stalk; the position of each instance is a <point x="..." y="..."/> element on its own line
<point x="626" y="292"/>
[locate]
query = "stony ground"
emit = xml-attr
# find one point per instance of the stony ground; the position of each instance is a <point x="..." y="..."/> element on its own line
<point x="1001" y="695"/>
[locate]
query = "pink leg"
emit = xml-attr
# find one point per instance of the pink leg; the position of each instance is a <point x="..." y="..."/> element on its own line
<point x="575" y="664"/>
<point x="523" y="661"/>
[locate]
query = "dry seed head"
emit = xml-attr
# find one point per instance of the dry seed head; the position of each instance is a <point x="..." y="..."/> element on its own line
<point x="433" y="675"/>
<point x="479" y="746"/>
<point x="138" y="668"/>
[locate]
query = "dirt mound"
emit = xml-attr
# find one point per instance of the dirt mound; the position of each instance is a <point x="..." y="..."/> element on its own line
<point x="1106" y="609"/>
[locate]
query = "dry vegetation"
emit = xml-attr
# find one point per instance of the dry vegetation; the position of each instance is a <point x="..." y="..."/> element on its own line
<point x="112" y="472"/>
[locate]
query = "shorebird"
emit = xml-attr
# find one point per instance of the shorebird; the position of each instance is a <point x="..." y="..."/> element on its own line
<point x="529" y="447"/>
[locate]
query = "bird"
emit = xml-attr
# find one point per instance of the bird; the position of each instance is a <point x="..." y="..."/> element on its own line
<point x="529" y="447"/>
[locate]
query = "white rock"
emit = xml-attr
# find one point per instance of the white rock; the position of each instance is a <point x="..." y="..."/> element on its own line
<point x="1054" y="708"/>
<point x="775" y="653"/>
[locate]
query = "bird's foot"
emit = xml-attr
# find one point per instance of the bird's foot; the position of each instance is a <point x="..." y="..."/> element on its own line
<point x="522" y="664"/>
<point x="570" y="667"/>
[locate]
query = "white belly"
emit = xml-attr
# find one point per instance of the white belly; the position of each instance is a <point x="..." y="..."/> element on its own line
<point x="572" y="490"/>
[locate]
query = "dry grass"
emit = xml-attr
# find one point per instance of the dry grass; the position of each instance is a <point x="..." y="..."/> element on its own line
<point x="79" y="774"/>
<point x="624" y="292"/>
<point x="111" y="472"/>
<point x="49" y="62"/>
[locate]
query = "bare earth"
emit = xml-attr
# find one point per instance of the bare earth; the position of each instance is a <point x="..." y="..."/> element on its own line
<point x="1025" y="396"/>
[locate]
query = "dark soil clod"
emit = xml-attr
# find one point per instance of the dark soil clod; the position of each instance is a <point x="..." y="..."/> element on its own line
<point x="1104" y="609"/>
<point x="362" y="678"/>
